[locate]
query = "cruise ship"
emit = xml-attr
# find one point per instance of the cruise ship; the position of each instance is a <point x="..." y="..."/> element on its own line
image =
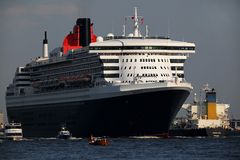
<point x="128" y="85"/>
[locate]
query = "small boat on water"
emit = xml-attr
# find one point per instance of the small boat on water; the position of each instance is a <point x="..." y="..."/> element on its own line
<point x="13" y="131"/>
<point x="64" y="133"/>
<point x="101" y="141"/>
<point x="1" y="131"/>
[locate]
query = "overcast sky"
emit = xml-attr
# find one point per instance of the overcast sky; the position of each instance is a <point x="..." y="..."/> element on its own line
<point x="214" y="26"/>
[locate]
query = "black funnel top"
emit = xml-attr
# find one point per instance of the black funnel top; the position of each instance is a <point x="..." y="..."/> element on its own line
<point x="45" y="41"/>
<point x="85" y="34"/>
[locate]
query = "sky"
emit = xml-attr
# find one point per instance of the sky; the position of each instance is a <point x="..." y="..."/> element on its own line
<point x="214" y="27"/>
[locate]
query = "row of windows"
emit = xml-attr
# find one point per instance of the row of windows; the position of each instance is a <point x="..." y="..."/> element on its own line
<point x="86" y="59"/>
<point x="177" y="60"/>
<point x="66" y="74"/>
<point x="13" y="127"/>
<point x="116" y="75"/>
<point x="146" y="60"/>
<point x="179" y="75"/>
<point x="22" y="74"/>
<point x="106" y="68"/>
<point x="61" y="65"/>
<point x="148" y="75"/>
<point x="177" y="68"/>
<point x="22" y="85"/>
<point x="24" y="70"/>
<point x="145" y="67"/>
<point x="68" y="69"/>
<point x="148" y="67"/>
<point x="164" y="67"/>
<point x="77" y="55"/>
<point x="130" y="60"/>
<point x="14" y="134"/>
<point x="130" y="67"/>
<point x="143" y="75"/>
<point x="23" y="79"/>
<point x="87" y="71"/>
<point x="140" y="48"/>
<point x="110" y="60"/>
<point x="161" y="81"/>
<point x="143" y="54"/>
<point x="50" y="66"/>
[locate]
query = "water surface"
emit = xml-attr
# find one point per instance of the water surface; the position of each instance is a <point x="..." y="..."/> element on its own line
<point x="123" y="149"/>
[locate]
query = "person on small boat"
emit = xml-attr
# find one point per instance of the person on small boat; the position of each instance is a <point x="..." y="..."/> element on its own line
<point x="91" y="139"/>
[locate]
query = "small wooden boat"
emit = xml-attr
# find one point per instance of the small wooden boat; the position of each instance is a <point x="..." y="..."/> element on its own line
<point x="102" y="141"/>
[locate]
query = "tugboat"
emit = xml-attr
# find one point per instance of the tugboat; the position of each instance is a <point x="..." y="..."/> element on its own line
<point x="101" y="141"/>
<point x="13" y="131"/>
<point x="64" y="133"/>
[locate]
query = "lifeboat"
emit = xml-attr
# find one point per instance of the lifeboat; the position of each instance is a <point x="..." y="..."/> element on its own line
<point x="101" y="141"/>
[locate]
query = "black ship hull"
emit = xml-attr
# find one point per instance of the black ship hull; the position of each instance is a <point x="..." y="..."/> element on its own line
<point x="148" y="113"/>
<point x="199" y="132"/>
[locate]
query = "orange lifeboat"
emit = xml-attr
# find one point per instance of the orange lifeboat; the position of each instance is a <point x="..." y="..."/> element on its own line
<point x="102" y="141"/>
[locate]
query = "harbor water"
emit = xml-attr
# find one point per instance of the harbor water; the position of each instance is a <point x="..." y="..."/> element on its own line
<point x="140" y="148"/>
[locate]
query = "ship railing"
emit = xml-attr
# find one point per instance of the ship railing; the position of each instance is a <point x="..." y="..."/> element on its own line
<point x="180" y="84"/>
<point x="130" y="86"/>
<point x="124" y="37"/>
<point x="164" y="82"/>
<point x="38" y="61"/>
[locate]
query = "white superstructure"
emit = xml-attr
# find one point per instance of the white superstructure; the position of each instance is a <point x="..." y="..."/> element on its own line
<point x="148" y="60"/>
<point x="137" y="58"/>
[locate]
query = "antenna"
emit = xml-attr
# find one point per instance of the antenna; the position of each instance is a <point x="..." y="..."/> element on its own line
<point x="195" y="100"/>
<point x="146" y="31"/>
<point x="124" y="30"/>
<point x="136" y="19"/>
<point x="200" y="104"/>
<point x="168" y="29"/>
<point x="136" y="26"/>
